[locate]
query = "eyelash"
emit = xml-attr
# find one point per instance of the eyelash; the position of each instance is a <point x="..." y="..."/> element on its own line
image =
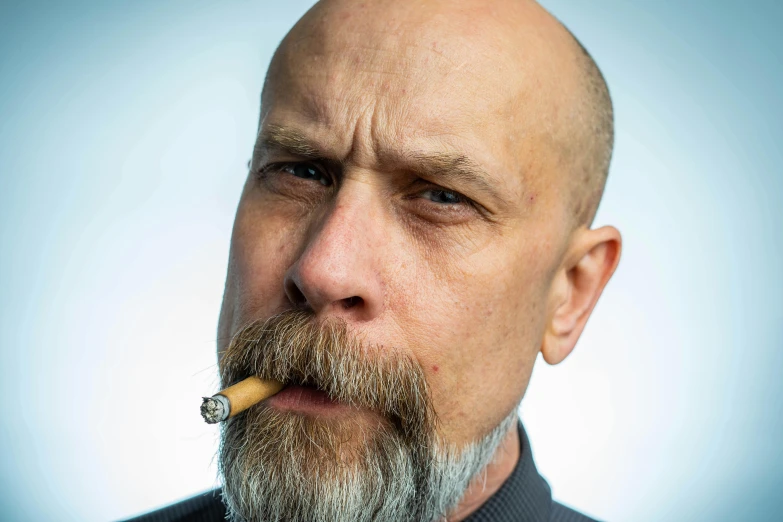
<point x="265" y="170"/>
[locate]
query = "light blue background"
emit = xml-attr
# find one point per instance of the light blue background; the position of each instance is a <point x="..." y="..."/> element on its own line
<point x="124" y="134"/>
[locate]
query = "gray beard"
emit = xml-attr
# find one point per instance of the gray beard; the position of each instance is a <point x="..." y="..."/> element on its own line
<point x="285" y="467"/>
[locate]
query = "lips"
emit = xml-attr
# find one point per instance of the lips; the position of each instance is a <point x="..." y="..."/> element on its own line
<point x="305" y="399"/>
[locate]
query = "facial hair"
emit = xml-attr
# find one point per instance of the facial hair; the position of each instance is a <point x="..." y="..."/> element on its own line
<point x="283" y="466"/>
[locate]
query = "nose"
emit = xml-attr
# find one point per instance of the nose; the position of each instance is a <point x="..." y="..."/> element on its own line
<point x="339" y="270"/>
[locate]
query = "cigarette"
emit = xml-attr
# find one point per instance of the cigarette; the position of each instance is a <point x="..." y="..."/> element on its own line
<point x="237" y="398"/>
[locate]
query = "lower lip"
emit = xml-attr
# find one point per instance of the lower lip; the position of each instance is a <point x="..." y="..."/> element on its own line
<point x="305" y="400"/>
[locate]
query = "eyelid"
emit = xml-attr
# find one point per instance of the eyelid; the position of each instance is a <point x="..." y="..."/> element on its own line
<point x="422" y="185"/>
<point x="280" y="165"/>
<point x="461" y="199"/>
<point x="467" y="205"/>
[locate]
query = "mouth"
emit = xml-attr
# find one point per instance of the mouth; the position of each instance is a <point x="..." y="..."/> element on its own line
<point x="307" y="400"/>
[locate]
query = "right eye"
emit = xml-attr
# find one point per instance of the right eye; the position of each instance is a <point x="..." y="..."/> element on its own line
<point x="306" y="171"/>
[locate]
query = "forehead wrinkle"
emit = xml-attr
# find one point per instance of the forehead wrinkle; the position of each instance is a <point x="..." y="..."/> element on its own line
<point x="322" y="70"/>
<point x="329" y="55"/>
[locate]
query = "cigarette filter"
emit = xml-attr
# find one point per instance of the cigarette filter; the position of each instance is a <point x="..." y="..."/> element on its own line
<point x="237" y="398"/>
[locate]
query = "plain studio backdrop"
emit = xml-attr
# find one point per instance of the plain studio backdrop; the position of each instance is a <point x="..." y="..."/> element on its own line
<point x="125" y="130"/>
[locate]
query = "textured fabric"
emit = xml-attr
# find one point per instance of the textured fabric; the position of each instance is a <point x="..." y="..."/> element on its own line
<point x="206" y="507"/>
<point x="524" y="497"/>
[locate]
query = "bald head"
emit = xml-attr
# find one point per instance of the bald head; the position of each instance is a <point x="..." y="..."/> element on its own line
<point x="532" y="75"/>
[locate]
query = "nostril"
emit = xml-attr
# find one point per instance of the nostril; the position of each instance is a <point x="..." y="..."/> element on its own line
<point x="350" y="302"/>
<point x="295" y="295"/>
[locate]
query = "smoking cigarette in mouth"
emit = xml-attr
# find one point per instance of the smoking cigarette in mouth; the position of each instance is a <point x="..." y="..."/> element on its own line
<point x="237" y="398"/>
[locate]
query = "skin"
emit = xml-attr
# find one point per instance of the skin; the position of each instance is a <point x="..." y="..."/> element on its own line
<point x="474" y="290"/>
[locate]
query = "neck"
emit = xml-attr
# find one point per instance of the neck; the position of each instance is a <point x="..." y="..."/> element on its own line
<point x="486" y="484"/>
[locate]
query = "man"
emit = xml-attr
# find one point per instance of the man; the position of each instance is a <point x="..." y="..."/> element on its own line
<point x="414" y="230"/>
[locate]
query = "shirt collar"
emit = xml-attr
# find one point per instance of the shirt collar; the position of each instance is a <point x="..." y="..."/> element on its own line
<point x="524" y="496"/>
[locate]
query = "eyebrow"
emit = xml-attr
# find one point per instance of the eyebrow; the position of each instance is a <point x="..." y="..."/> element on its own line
<point x="459" y="167"/>
<point x="288" y="140"/>
<point x="430" y="165"/>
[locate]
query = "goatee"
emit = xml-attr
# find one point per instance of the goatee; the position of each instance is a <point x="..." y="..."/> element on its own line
<point x="389" y="465"/>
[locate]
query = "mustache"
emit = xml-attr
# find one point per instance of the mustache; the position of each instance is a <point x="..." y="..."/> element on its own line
<point x="293" y="348"/>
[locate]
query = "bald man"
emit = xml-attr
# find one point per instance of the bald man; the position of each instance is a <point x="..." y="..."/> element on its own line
<point x="414" y="230"/>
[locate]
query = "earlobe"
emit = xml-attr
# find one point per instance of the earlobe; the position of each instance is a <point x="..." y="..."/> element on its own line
<point x="589" y="265"/>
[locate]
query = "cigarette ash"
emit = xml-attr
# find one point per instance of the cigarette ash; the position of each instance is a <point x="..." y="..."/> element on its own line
<point x="212" y="410"/>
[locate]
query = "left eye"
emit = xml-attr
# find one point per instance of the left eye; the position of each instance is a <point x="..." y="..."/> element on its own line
<point x="444" y="197"/>
<point x="307" y="171"/>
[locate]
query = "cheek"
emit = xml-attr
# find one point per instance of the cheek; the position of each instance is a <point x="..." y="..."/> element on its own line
<point x="263" y="246"/>
<point x="480" y="324"/>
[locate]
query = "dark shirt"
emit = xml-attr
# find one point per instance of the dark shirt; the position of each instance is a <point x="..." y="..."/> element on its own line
<point x="524" y="497"/>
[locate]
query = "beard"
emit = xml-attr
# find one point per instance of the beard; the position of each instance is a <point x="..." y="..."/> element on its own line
<point x="393" y="466"/>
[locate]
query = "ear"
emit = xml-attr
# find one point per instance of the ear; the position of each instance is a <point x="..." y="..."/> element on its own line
<point x="587" y="266"/>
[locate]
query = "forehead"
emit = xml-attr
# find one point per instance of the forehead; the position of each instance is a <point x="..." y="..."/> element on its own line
<point x="404" y="88"/>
